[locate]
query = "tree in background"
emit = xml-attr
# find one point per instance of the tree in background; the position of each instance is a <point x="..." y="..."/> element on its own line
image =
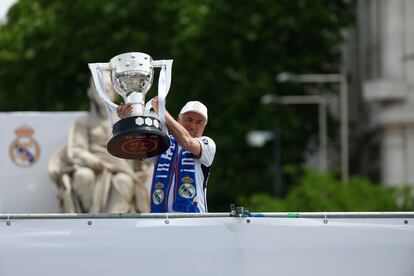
<point x="226" y="54"/>
<point x="318" y="192"/>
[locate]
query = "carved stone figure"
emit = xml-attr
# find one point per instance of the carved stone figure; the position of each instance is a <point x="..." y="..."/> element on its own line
<point x="89" y="179"/>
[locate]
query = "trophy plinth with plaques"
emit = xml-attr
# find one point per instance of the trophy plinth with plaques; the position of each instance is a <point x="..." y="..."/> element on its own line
<point x="143" y="134"/>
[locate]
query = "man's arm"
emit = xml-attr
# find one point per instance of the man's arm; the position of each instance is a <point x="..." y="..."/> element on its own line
<point x="182" y="136"/>
<point x="184" y="139"/>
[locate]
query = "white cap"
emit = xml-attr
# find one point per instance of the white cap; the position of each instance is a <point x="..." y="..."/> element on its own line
<point x="197" y="107"/>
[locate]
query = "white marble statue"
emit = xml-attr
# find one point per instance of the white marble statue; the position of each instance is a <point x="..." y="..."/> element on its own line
<point x="89" y="179"/>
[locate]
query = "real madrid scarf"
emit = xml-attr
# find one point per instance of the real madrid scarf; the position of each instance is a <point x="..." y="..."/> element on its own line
<point x="180" y="166"/>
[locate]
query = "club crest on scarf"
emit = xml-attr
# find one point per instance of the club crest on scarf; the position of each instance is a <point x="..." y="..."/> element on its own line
<point x="187" y="189"/>
<point x="174" y="167"/>
<point x="158" y="194"/>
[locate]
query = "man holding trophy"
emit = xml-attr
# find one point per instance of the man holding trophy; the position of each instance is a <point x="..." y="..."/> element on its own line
<point x="180" y="174"/>
<point x="182" y="160"/>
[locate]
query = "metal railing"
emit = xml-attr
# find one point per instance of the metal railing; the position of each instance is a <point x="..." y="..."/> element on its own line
<point x="244" y="213"/>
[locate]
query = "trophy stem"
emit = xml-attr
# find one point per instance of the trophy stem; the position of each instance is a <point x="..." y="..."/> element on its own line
<point x="137" y="100"/>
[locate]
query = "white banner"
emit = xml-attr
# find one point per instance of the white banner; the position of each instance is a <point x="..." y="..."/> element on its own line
<point x="207" y="246"/>
<point x="27" y="141"/>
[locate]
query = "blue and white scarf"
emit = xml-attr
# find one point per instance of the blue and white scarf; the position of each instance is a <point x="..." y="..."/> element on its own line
<point x="180" y="166"/>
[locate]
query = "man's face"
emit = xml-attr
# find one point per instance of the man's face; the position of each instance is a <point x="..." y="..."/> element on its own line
<point x="193" y="122"/>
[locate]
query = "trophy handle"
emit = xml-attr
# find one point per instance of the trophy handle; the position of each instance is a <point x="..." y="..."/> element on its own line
<point x="118" y="90"/>
<point x="97" y="71"/>
<point x="148" y="107"/>
<point x="164" y="84"/>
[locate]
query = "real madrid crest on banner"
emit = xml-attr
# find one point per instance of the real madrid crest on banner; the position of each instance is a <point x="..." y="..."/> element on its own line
<point x="24" y="150"/>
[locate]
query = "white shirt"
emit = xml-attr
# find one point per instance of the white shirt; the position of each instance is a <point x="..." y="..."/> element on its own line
<point x="202" y="170"/>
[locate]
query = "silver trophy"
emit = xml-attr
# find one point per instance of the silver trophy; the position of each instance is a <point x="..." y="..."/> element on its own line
<point x="143" y="134"/>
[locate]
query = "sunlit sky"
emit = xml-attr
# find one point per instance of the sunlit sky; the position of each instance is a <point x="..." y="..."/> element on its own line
<point x="4" y="7"/>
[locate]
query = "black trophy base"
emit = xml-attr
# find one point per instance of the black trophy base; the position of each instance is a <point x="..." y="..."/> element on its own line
<point x="138" y="137"/>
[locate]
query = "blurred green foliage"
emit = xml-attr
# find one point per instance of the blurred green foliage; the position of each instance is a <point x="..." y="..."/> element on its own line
<point x="226" y="54"/>
<point x="318" y="192"/>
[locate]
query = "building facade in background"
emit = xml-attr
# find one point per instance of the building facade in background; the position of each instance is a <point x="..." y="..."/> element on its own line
<point x="380" y="59"/>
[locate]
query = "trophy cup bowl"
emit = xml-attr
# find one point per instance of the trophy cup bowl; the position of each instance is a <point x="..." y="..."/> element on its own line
<point x="140" y="135"/>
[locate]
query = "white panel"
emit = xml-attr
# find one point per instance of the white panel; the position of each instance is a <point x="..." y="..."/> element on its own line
<point x="29" y="189"/>
<point x="207" y="246"/>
